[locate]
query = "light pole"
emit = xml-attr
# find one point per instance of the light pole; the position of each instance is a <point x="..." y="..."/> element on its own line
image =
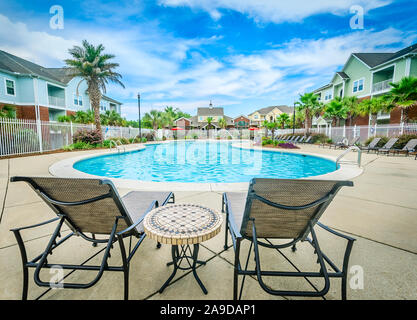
<point x="140" y="129"/>
<point x="293" y="120"/>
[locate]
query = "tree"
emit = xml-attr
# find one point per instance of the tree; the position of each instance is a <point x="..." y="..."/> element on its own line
<point x="154" y="118"/>
<point x="223" y="123"/>
<point x="283" y="120"/>
<point x="272" y="126"/>
<point x="92" y="65"/>
<point x="209" y="121"/>
<point x="8" y="112"/>
<point x="351" y="103"/>
<point x="308" y="104"/>
<point x="336" y="110"/>
<point x="265" y="125"/>
<point x="373" y="106"/>
<point x="404" y="95"/>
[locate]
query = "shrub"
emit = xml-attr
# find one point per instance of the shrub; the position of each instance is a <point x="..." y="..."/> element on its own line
<point x="87" y="136"/>
<point x="403" y="140"/>
<point x="229" y="137"/>
<point x="82" y="145"/>
<point x="288" y="145"/>
<point x="124" y="140"/>
<point x="131" y="140"/>
<point x="106" y="143"/>
<point x="164" y="138"/>
<point x="319" y="138"/>
<point x="144" y="140"/>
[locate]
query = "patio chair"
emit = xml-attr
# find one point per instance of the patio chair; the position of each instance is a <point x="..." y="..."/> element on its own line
<point x="307" y="141"/>
<point x="343" y="141"/>
<point x="296" y="139"/>
<point x="88" y="206"/>
<point x="387" y="147"/>
<point x="302" y="139"/>
<point x="350" y="143"/>
<point x="409" y="147"/>
<point x="372" y="145"/>
<point x="337" y="141"/>
<point x="283" y="209"/>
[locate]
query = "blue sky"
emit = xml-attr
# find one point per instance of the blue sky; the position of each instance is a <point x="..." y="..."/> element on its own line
<point x="241" y="54"/>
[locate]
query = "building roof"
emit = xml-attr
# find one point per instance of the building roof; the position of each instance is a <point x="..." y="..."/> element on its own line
<point x="210" y="111"/>
<point x="343" y="75"/>
<point x="64" y="75"/>
<point x="373" y="59"/>
<point x="14" y="64"/>
<point x="263" y="111"/>
<point x="409" y="50"/>
<point x="110" y="99"/>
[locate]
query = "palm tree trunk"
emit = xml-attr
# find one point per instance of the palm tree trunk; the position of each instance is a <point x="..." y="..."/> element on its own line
<point x="373" y="119"/>
<point x="95" y="97"/>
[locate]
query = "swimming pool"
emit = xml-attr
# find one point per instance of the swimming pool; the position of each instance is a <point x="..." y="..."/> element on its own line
<point x="204" y="162"/>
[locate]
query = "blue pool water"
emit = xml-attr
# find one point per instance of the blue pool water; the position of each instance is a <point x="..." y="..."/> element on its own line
<point x="204" y="162"/>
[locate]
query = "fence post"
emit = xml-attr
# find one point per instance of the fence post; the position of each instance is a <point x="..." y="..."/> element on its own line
<point x="402" y="128"/>
<point x="39" y="129"/>
<point x="330" y="131"/>
<point x="354" y="131"/>
<point x="375" y="130"/>
<point x="71" y="131"/>
<point x="344" y="130"/>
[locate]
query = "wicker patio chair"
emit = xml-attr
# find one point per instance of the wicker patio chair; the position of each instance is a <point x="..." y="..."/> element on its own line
<point x="283" y="209"/>
<point x="88" y="206"/>
<point x="408" y="148"/>
<point x="387" y="147"/>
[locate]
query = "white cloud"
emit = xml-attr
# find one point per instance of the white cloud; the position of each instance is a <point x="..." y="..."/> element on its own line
<point x="275" y="10"/>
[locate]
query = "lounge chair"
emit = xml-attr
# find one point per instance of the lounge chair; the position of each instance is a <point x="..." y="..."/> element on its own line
<point x="372" y="145"/>
<point x="302" y="139"/>
<point x="88" y="206"/>
<point x="283" y="209"/>
<point x="337" y="141"/>
<point x="340" y="143"/>
<point x="387" y="147"/>
<point x="296" y="139"/>
<point x="350" y="143"/>
<point x="409" y="147"/>
<point x="307" y="141"/>
<point x="289" y="138"/>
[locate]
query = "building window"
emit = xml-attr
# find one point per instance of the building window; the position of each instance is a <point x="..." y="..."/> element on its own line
<point x="358" y="85"/>
<point x="10" y="87"/>
<point x="256" y="117"/>
<point x="328" y="95"/>
<point x="78" y="100"/>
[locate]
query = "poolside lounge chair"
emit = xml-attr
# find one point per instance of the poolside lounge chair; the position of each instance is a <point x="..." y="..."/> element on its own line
<point x="337" y="141"/>
<point x="296" y="139"/>
<point x="302" y="139"/>
<point x="88" y="206"/>
<point x="308" y="140"/>
<point x="409" y="147"/>
<point x="350" y="143"/>
<point x="283" y="209"/>
<point x="372" y="145"/>
<point x="387" y="147"/>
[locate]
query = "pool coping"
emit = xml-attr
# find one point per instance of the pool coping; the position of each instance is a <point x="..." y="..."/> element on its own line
<point x="64" y="168"/>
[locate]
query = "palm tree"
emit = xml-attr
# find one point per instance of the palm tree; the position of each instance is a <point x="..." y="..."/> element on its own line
<point x="265" y="125"/>
<point x="272" y="126"/>
<point x="336" y="110"/>
<point x="154" y="117"/>
<point x="283" y="120"/>
<point x="373" y="106"/>
<point x="309" y="104"/>
<point x="92" y="65"/>
<point x="404" y="95"/>
<point x="223" y="123"/>
<point x="209" y="121"/>
<point x="352" y="104"/>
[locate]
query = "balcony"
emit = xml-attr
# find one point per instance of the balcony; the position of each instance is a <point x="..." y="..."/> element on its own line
<point x="56" y="101"/>
<point x="382" y="86"/>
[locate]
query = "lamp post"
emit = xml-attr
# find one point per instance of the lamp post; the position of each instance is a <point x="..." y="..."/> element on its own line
<point x="293" y="120"/>
<point x="140" y="129"/>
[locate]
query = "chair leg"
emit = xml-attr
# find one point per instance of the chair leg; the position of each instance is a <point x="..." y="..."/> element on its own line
<point x="125" y="267"/>
<point x="24" y="267"/>
<point x="235" y="272"/>
<point x="25" y="283"/>
<point x="226" y="227"/>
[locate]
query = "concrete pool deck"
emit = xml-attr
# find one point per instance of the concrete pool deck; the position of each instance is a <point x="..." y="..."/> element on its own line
<point x="380" y="211"/>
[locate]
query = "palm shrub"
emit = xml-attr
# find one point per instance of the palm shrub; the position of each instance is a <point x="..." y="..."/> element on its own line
<point x="8" y="112"/>
<point x="309" y="105"/>
<point x="404" y="95"/>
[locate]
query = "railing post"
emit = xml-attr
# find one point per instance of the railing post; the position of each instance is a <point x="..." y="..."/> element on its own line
<point x="71" y="131"/>
<point x="330" y="131"/>
<point x="375" y="130"/>
<point x="402" y="128"/>
<point x="354" y="131"/>
<point x="39" y="129"/>
<point x="344" y="130"/>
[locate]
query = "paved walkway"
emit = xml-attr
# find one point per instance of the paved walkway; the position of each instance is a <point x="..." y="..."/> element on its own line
<point x="380" y="211"/>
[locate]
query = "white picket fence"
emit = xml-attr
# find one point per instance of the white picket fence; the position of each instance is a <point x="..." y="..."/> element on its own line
<point x="19" y="136"/>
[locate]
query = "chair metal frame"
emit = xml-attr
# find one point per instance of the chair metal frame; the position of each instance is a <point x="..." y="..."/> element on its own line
<point x="238" y="236"/>
<point x="40" y="262"/>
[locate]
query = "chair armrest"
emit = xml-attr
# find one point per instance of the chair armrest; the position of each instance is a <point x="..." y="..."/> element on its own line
<point x="232" y="224"/>
<point x="36" y="225"/>
<point x="328" y="229"/>
<point x="153" y="204"/>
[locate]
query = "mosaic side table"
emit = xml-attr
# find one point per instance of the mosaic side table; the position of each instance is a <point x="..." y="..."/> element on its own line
<point x="182" y="225"/>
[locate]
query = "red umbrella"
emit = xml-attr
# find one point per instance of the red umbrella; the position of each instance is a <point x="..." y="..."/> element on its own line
<point x="253" y="128"/>
<point x="177" y="129"/>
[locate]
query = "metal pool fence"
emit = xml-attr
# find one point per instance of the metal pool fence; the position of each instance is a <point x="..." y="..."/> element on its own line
<point x="18" y="136"/>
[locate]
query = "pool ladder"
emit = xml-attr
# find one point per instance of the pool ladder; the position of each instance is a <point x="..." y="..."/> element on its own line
<point x="348" y="150"/>
<point x="118" y="145"/>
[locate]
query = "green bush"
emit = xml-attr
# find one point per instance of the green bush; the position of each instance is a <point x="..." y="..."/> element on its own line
<point x="229" y="137"/>
<point x="319" y="138"/>
<point x="144" y="140"/>
<point x="106" y="143"/>
<point x="403" y="140"/>
<point x="124" y="140"/>
<point x="83" y="145"/>
<point x="164" y="138"/>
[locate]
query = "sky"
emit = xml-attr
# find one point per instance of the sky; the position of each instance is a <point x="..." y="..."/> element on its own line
<point x="240" y="54"/>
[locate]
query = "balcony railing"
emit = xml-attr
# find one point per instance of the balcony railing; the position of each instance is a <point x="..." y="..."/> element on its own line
<point x="381" y="86"/>
<point x="56" y="101"/>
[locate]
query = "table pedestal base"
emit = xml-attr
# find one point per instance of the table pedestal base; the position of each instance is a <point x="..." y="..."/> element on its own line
<point x="188" y="256"/>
